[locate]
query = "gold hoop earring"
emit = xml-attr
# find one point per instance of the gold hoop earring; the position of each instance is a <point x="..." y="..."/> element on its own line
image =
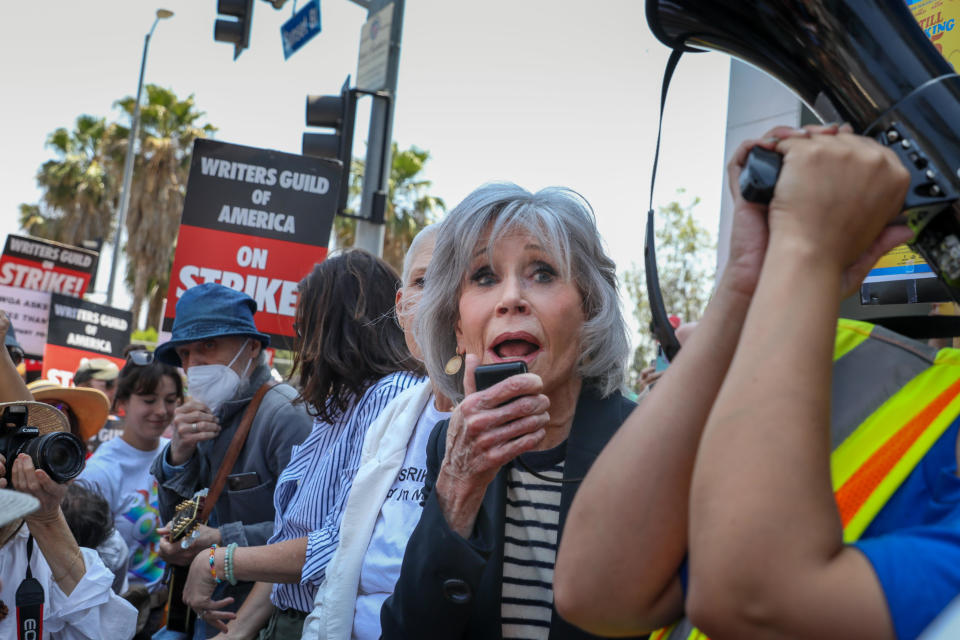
<point x="453" y="365"/>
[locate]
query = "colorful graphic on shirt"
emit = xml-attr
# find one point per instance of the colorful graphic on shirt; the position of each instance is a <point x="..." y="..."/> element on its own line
<point x="145" y="563"/>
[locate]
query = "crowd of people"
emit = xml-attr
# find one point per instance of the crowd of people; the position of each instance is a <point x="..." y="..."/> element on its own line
<point x="786" y="476"/>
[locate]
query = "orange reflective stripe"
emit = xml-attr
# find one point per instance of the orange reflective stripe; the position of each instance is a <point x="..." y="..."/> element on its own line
<point x="858" y="488"/>
<point x="872" y="462"/>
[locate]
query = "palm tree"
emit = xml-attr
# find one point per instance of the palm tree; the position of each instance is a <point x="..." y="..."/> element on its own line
<point x="409" y="205"/>
<point x="79" y="186"/>
<point x="169" y="126"/>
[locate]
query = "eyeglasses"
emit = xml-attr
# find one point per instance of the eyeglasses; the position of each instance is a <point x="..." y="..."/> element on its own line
<point x="140" y="357"/>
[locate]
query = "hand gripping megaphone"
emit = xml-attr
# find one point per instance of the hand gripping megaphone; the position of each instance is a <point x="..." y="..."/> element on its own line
<point x="864" y="62"/>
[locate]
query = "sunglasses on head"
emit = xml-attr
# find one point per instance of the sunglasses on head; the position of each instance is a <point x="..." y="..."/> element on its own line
<point x="140" y="357"/>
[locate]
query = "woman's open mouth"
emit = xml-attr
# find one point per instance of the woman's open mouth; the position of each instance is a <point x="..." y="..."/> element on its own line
<point x="515" y="346"/>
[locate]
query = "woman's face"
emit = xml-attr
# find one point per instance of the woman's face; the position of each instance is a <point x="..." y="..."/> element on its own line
<point x="149" y="414"/>
<point x="409" y="294"/>
<point x="514" y="305"/>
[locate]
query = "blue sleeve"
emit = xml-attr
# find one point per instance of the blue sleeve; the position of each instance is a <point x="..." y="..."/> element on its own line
<point x="170" y="469"/>
<point x="919" y="571"/>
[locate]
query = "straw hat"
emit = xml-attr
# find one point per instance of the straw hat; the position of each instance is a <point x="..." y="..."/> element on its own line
<point x="41" y="415"/>
<point x="90" y="406"/>
<point x="14" y="504"/>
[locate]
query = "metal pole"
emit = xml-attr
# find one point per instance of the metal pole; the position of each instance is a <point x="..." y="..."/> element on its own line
<point x="128" y="165"/>
<point x="369" y="235"/>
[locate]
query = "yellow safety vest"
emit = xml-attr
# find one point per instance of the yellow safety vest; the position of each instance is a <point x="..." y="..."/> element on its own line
<point x="870" y="464"/>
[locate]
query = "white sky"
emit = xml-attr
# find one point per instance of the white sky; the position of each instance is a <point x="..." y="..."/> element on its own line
<point x="539" y="93"/>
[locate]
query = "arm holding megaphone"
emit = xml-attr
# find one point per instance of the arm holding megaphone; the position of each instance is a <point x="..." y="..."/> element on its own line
<point x="625" y="540"/>
<point x="767" y="553"/>
<point x="618" y="564"/>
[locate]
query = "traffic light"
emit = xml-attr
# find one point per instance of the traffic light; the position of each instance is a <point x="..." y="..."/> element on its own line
<point x="235" y="31"/>
<point x="337" y="113"/>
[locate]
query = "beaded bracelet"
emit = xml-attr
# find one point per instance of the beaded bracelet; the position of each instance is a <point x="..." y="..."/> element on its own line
<point x="228" y="563"/>
<point x="213" y="568"/>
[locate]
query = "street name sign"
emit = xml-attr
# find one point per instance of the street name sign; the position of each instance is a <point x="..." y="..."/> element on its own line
<point x="301" y="28"/>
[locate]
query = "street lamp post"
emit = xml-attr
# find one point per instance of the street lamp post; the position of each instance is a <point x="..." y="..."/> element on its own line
<point x="128" y="162"/>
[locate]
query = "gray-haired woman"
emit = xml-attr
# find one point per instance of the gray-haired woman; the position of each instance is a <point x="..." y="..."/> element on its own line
<point x="514" y="276"/>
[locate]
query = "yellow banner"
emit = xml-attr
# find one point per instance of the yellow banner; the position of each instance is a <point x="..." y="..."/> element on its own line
<point x="940" y="20"/>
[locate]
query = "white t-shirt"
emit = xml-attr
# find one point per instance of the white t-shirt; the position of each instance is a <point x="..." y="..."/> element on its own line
<point x="92" y="610"/>
<point x="398" y="517"/>
<point x="121" y="474"/>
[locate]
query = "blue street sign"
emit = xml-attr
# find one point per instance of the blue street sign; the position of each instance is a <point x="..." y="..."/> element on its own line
<point x="299" y="29"/>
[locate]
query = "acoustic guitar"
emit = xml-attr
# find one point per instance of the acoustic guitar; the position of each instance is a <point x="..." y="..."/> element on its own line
<point x="185" y="528"/>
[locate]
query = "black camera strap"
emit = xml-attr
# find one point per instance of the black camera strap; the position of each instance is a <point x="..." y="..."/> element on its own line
<point x="29" y="603"/>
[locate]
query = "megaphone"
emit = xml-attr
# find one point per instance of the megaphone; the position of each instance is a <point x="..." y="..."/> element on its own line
<point x="864" y="62"/>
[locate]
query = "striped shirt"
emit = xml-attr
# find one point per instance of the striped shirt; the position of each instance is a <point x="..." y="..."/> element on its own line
<point x="532" y="521"/>
<point x="312" y="491"/>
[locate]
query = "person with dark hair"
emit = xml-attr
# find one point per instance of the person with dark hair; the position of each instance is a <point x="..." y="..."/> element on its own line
<point x="386" y="498"/>
<point x="353" y="360"/>
<point x="91" y="523"/>
<point x="215" y="340"/>
<point x="119" y="470"/>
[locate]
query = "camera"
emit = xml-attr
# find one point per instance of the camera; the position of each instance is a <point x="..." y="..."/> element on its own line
<point x="60" y="455"/>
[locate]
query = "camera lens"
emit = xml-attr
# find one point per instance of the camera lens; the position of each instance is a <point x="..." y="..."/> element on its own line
<point x="61" y="455"/>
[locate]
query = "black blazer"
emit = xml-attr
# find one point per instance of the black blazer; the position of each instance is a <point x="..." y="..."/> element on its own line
<point x="449" y="587"/>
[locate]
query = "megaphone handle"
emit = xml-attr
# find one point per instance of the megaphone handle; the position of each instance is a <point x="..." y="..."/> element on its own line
<point x="759" y="175"/>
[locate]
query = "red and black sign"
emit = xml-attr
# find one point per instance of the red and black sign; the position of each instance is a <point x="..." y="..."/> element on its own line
<point x="44" y="265"/>
<point x="81" y="330"/>
<point x="257" y="221"/>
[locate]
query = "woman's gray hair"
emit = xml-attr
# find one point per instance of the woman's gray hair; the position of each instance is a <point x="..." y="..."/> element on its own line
<point x="566" y="225"/>
<point x="427" y="232"/>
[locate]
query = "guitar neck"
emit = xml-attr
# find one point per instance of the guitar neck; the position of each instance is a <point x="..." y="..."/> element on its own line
<point x="180" y="617"/>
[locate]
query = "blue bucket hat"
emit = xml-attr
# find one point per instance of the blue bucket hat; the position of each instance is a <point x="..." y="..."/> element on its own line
<point x="10" y="340"/>
<point x="210" y="310"/>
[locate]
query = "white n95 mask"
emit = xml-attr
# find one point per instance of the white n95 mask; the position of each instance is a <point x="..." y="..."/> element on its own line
<point x="214" y="384"/>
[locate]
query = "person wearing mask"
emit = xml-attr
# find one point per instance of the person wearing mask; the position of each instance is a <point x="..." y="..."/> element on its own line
<point x="386" y="500"/>
<point x="214" y="339"/>
<point x="514" y="276"/>
<point x="353" y="360"/>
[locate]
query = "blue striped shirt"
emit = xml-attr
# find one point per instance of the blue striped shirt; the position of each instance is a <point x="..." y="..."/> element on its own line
<point x="312" y="491"/>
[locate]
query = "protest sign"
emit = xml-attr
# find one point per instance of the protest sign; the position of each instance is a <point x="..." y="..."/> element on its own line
<point x="81" y="330"/>
<point x="27" y="311"/>
<point x="44" y="265"/>
<point x="254" y="220"/>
